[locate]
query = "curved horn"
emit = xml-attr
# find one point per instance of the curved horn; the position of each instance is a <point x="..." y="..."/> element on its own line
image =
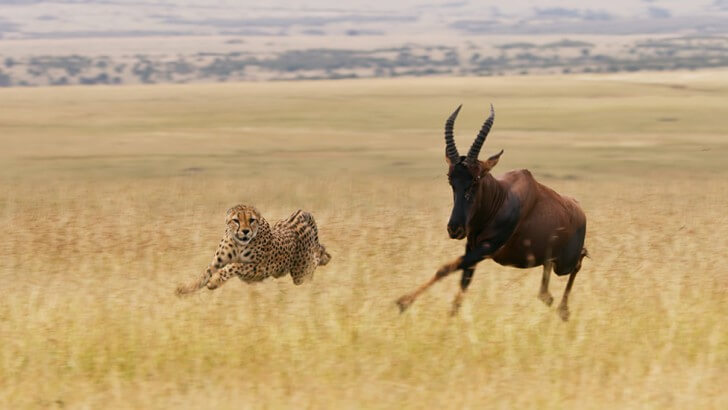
<point x="480" y="139"/>
<point x="451" y="150"/>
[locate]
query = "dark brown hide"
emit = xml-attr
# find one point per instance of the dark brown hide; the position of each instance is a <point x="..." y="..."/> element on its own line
<point x="549" y="226"/>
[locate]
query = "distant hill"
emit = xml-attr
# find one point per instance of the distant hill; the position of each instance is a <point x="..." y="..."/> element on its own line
<point x="152" y="41"/>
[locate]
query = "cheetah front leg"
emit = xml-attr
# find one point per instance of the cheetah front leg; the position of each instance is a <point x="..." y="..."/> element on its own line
<point x="224" y="254"/>
<point x="245" y="271"/>
<point x="197" y="284"/>
<point x="221" y="276"/>
<point x="249" y="272"/>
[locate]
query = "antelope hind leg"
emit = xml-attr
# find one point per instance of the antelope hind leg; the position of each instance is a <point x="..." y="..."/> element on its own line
<point x="544" y="293"/>
<point x="564" y="305"/>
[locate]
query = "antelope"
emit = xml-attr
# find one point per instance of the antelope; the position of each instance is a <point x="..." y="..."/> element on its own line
<point x="513" y="220"/>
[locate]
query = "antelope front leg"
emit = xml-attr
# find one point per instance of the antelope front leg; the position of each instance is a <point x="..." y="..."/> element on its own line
<point x="405" y="301"/>
<point x="464" y="283"/>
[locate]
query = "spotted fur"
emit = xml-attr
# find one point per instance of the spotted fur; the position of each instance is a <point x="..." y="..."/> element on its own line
<point x="253" y="251"/>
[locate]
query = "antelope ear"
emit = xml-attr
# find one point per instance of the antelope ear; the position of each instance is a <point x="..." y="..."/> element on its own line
<point x="449" y="162"/>
<point x="492" y="161"/>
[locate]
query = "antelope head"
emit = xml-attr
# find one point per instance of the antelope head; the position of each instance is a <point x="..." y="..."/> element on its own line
<point x="465" y="172"/>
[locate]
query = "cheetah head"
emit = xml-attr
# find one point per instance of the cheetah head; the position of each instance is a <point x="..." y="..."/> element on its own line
<point x="242" y="223"/>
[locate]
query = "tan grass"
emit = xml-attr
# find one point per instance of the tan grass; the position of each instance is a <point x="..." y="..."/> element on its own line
<point x="108" y="201"/>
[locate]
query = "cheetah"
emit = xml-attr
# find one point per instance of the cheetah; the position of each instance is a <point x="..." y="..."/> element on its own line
<point x="252" y="251"/>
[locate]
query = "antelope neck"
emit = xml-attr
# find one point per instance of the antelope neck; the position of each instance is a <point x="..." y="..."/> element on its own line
<point x="489" y="199"/>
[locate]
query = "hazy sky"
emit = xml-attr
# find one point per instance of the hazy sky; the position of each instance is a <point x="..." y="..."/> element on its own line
<point x="32" y="18"/>
<point x="620" y="7"/>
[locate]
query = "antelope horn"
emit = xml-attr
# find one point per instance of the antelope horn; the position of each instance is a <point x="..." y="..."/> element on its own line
<point x="451" y="150"/>
<point x="480" y="139"/>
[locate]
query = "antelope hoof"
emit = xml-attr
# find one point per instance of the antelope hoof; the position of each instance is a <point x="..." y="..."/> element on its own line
<point x="546" y="298"/>
<point x="456" y="304"/>
<point x="404" y="302"/>
<point x="564" y="312"/>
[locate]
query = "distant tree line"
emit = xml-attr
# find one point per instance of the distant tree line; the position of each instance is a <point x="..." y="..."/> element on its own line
<point x="565" y="56"/>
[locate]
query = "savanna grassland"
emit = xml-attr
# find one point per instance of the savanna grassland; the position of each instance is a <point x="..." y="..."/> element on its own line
<point x="112" y="196"/>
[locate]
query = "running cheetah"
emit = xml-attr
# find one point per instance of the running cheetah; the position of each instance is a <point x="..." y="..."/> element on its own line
<point x="253" y="251"/>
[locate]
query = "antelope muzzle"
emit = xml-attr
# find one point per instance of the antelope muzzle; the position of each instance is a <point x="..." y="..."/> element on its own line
<point x="456" y="231"/>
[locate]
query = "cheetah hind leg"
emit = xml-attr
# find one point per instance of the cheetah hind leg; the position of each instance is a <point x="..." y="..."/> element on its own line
<point x="322" y="256"/>
<point x="303" y="272"/>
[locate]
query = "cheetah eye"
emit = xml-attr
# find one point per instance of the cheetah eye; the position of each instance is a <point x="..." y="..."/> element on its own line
<point x="251" y="220"/>
<point x="236" y="221"/>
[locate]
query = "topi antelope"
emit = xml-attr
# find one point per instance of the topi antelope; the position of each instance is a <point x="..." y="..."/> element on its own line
<point x="513" y="220"/>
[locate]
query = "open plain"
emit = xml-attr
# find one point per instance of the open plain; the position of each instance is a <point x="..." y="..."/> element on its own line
<point x="112" y="196"/>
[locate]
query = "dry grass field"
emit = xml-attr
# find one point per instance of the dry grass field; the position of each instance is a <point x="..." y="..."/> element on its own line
<point x="110" y="197"/>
